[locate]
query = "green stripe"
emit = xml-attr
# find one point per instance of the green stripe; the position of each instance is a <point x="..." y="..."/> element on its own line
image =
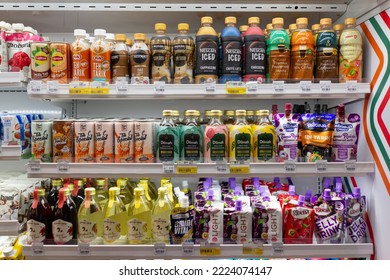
<point x="379" y="91"/>
<point x="347" y="184"/>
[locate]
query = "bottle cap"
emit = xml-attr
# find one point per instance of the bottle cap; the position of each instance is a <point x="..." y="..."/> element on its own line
<point x="216" y="113"/>
<point x="114" y="191"/>
<point x="302" y="21"/>
<point x="266" y="198"/>
<point x="183" y="26"/>
<point x="167" y="113"/>
<point x="301" y="200"/>
<point x="238" y="205"/>
<point x="315" y="27"/>
<point x="101" y="182"/>
<point x="350" y="21"/>
<point x="56" y="182"/>
<point x="139" y="191"/>
<point x="206" y="20"/>
<point x="269" y="26"/>
<point x="70" y="187"/>
<point x="139" y="36"/>
<point x="277" y="20"/>
<point x="40" y="191"/>
<point x="120" y="37"/>
<point x="229" y="113"/>
<point x="308" y="195"/>
<point x="80" y="32"/>
<point x="90" y="191"/>
<point x="4" y="25"/>
<point x="291" y="189"/>
<point x="327" y="194"/>
<point x="184" y="202"/>
<point x="230" y="20"/>
<point x="110" y="36"/>
<point x="9" y="251"/>
<point x="241" y="113"/>
<point x="262" y="113"/>
<point x="325" y="21"/>
<point x="18" y="26"/>
<point x="207" y="113"/>
<point x="338" y="27"/>
<point x="99" y="32"/>
<point x="288" y="106"/>
<point x="175" y="113"/>
<point x="194" y="113"/>
<point x="243" y="28"/>
<point x="185" y="184"/>
<point x="129" y="42"/>
<point x="292" y="26"/>
<point x="30" y="30"/>
<point x="237" y="190"/>
<point x="339" y="187"/>
<point x="160" y="26"/>
<point x="254" y="20"/>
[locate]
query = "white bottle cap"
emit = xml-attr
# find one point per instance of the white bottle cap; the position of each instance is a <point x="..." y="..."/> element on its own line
<point x="183" y="201"/>
<point x="100" y="32"/>
<point x="110" y="36"/>
<point x="87" y="36"/>
<point x="185" y="184"/>
<point x="3" y="25"/>
<point x="216" y="182"/>
<point x="91" y="39"/>
<point x="80" y="32"/>
<point x="176" y="190"/>
<point x="8" y="251"/>
<point x="18" y="26"/>
<point x="30" y="30"/>
<point x="8" y="26"/>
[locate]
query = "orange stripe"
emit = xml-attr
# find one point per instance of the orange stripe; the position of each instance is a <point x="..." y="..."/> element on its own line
<point x="374" y="80"/>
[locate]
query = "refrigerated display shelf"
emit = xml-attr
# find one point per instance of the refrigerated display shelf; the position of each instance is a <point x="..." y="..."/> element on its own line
<point x="10" y="152"/>
<point x="290" y="169"/>
<point x="9" y="228"/>
<point x="10" y="81"/>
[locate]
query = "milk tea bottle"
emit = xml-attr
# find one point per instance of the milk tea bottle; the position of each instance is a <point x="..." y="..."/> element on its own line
<point x="139" y="60"/>
<point x="240" y="141"/>
<point x="120" y="59"/>
<point x="216" y="139"/>
<point x="160" y="47"/>
<point x="80" y="56"/>
<point x="100" y="58"/>
<point x="207" y="58"/>
<point x="183" y="55"/>
<point x="351" y="52"/>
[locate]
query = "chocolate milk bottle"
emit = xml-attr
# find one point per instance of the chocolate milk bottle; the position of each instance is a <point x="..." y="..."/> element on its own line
<point x="160" y="47"/>
<point x="183" y="55"/>
<point x="120" y="59"/>
<point x="139" y="60"/>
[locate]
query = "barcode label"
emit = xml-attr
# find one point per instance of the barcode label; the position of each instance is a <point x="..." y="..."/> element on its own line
<point x="325" y="86"/>
<point x="278" y="86"/>
<point x="305" y="86"/>
<point x="290" y="166"/>
<point x="351" y="86"/>
<point x="159" y="87"/>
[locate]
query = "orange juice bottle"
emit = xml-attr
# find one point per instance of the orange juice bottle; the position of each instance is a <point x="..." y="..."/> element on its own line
<point x="100" y="58"/>
<point x="80" y="55"/>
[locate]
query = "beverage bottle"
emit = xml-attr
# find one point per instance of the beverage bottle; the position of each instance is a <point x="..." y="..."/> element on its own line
<point x="90" y="217"/>
<point x="4" y="28"/>
<point x="167" y="139"/>
<point x="129" y="44"/>
<point x="100" y="58"/>
<point x="291" y="29"/>
<point x="273" y="113"/>
<point x="267" y="30"/>
<point x="161" y="213"/>
<point x="171" y="194"/>
<point x="229" y="118"/>
<point x="278" y="51"/>
<point x="326" y="52"/>
<point x="110" y="39"/>
<point x="80" y="56"/>
<point x="254" y="52"/>
<point x="78" y="188"/>
<point x="139" y="60"/>
<point x="115" y="219"/>
<point x="240" y="139"/>
<point x="101" y="193"/>
<point x="264" y="137"/>
<point x="243" y="29"/>
<point x="207" y="117"/>
<point x="338" y="29"/>
<point x="139" y="224"/>
<point x="216" y="139"/>
<point x="39" y="219"/>
<point x="120" y="59"/>
<point x="145" y="187"/>
<point x="64" y="226"/>
<point x="124" y="194"/>
<point x="52" y="196"/>
<point x="182" y="219"/>
<point x="206" y="53"/>
<point x="250" y="117"/>
<point x="315" y="29"/>
<point x="231" y="52"/>
<point x="160" y="47"/>
<point x="176" y="117"/>
<point x="191" y="137"/>
<point x="151" y="187"/>
<point x="183" y="55"/>
<point x="74" y="195"/>
<point x="302" y="52"/>
<point x="351" y="52"/>
<point x="186" y="189"/>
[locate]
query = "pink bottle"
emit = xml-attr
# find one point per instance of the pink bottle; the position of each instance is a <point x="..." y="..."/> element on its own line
<point x="216" y="139"/>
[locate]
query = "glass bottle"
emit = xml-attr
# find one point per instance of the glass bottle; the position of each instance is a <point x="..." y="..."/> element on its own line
<point x="250" y="116"/>
<point x="125" y="195"/>
<point x="167" y="139"/>
<point x="229" y="118"/>
<point x="52" y="196"/>
<point x="115" y="219"/>
<point x="101" y="193"/>
<point x="191" y="137"/>
<point x="240" y="138"/>
<point x="74" y="196"/>
<point x="145" y="187"/>
<point x="264" y="137"/>
<point x="216" y="139"/>
<point x="161" y="212"/>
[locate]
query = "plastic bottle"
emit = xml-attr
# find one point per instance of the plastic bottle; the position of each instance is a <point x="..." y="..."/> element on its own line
<point x="115" y="219"/>
<point x="139" y="60"/>
<point x="267" y="30"/>
<point x="326" y="52"/>
<point x="351" y="52"/>
<point x="206" y="53"/>
<point x="90" y="217"/>
<point x="167" y="139"/>
<point x="338" y="29"/>
<point x="216" y="139"/>
<point x="182" y="221"/>
<point x="4" y="28"/>
<point x="124" y="194"/>
<point x="240" y="137"/>
<point x="278" y="51"/>
<point x="187" y="191"/>
<point x="243" y="29"/>
<point x="183" y="55"/>
<point x="254" y="52"/>
<point x="39" y="219"/>
<point x="264" y="137"/>
<point x="101" y="193"/>
<point x="78" y="200"/>
<point x="145" y="187"/>
<point x="80" y="56"/>
<point x="100" y="58"/>
<point x="291" y="29"/>
<point x="191" y="137"/>
<point x="52" y="196"/>
<point x="161" y="213"/>
<point x="120" y="59"/>
<point x="302" y="52"/>
<point x="160" y="47"/>
<point x="129" y="44"/>
<point x="139" y="225"/>
<point x="110" y="39"/>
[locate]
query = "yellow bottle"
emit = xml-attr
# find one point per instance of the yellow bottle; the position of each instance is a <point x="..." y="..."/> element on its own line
<point x="161" y="213"/>
<point x="264" y="137"/>
<point x="115" y="218"/>
<point x="125" y="195"/>
<point x="145" y="187"/>
<point x="171" y="195"/>
<point x="139" y="224"/>
<point x="240" y="144"/>
<point x="101" y="193"/>
<point x="152" y="188"/>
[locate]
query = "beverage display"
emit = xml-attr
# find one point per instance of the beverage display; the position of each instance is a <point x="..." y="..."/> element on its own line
<point x="80" y="57"/>
<point x="160" y="48"/>
<point x="104" y="141"/>
<point x="183" y="47"/>
<point x="216" y="139"/>
<point x="168" y="139"/>
<point x="100" y="58"/>
<point x="84" y="141"/>
<point x="115" y="219"/>
<point x="60" y="69"/>
<point x="120" y="59"/>
<point x="240" y="139"/>
<point x="40" y="61"/>
<point x="63" y="140"/>
<point x="41" y="141"/>
<point x="264" y="137"/>
<point x="139" y="60"/>
<point x="191" y="137"/>
<point x="124" y="141"/>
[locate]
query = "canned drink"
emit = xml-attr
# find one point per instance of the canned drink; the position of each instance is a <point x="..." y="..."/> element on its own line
<point x="144" y="140"/>
<point x="104" y="141"/>
<point x="60" y="62"/>
<point x="84" y="132"/>
<point x="40" y="61"/>
<point x="63" y="140"/>
<point x="124" y="141"/>
<point x="41" y="140"/>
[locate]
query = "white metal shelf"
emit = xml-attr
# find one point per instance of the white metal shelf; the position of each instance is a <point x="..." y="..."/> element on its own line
<point x="96" y="170"/>
<point x="193" y="252"/>
<point x="9" y="228"/>
<point x="10" y="152"/>
<point x="10" y="81"/>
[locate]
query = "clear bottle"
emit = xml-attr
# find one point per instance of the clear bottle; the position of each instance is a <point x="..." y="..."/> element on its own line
<point x="81" y="57"/>
<point x="101" y="193"/>
<point x="160" y="47"/>
<point x="191" y="137"/>
<point x="74" y="195"/>
<point x="216" y="139"/>
<point x="183" y="55"/>
<point x="264" y="137"/>
<point x="115" y="219"/>
<point x="207" y="117"/>
<point x="52" y="196"/>
<point x="152" y="190"/>
<point x="100" y="58"/>
<point x="90" y="217"/>
<point x="240" y="135"/>
<point x="139" y="60"/>
<point x="110" y="39"/>
<point x="171" y="194"/>
<point x="176" y="117"/>
<point x="120" y="59"/>
<point x="167" y="139"/>
<point x="229" y="118"/>
<point x="125" y="195"/>
<point x="161" y="212"/>
<point x="145" y="187"/>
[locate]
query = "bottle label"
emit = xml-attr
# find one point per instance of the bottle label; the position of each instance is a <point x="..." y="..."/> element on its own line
<point x="161" y="60"/>
<point x="87" y="230"/>
<point x="215" y="141"/>
<point x="265" y="146"/>
<point x="191" y="147"/>
<point x="160" y="229"/>
<point x="168" y="146"/>
<point x="111" y="230"/>
<point x="243" y="146"/>
<point x="62" y="231"/>
<point x="80" y="65"/>
<point x="182" y="226"/>
<point x="40" y="61"/>
<point x="207" y="58"/>
<point x="183" y="50"/>
<point x="255" y="58"/>
<point x="36" y="231"/>
<point x="232" y="58"/>
<point x="279" y="64"/>
<point x="136" y="230"/>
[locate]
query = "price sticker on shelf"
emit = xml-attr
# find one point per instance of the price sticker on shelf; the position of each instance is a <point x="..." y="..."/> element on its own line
<point x="290" y="165"/>
<point x="235" y="87"/>
<point x="99" y="87"/>
<point x="122" y="86"/>
<point x="52" y="87"/>
<point x="84" y="249"/>
<point x="63" y="167"/>
<point x="305" y="86"/>
<point x="278" y="86"/>
<point x="160" y="249"/>
<point x="210" y="87"/>
<point x="351" y="86"/>
<point x="240" y="167"/>
<point x="79" y="88"/>
<point x="35" y="87"/>
<point x="350" y="165"/>
<point x="252" y="87"/>
<point x="186" y="167"/>
<point x="34" y="166"/>
<point x="159" y="87"/>
<point x="38" y="249"/>
<point x="325" y="86"/>
<point x="277" y="248"/>
<point x="210" y="250"/>
<point x="188" y="249"/>
<point x="252" y="249"/>
<point x="322" y="165"/>
<point x="221" y="167"/>
<point x="168" y="168"/>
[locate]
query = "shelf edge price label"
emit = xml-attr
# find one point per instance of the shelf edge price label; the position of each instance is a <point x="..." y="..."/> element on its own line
<point x="160" y="249"/>
<point x="99" y="87"/>
<point x="210" y="250"/>
<point x="325" y="86"/>
<point x="239" y="168"/>
<point x="278" y="86"/>
<point x="305" y="86"/>
<point x="252" y="249"/>
<point x="188" y="249"/>
<point x="277" y="247"/>
<point x="252" y="87"/>
<point x="235" y="87"/>
<point x="351" y="86"/>
<point x="350" y="165"/>
<point x="159" y="87"/>
<point x="35" y="87"/>
<point x="35" y="166"/>
<point x="38" y="249"/>
<point x="122" y="86"/>
<point x="186" y="168"/>
<point x="322" y="165"/>
<point x="63" y="167"/>
<point x="168" y="168"/>
<point x="79" y="88"/>
<point x="52" y="87"/>
<point x="84" y="249"/>
<point x="221" y="167"/>
<point x="290" y="166"/>
<point x="210" y="87"/>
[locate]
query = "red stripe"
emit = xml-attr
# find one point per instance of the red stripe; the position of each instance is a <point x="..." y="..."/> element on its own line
<point x="385" y="18"/>
<point x="379" y="116"/>
<point x="354" y="183"/>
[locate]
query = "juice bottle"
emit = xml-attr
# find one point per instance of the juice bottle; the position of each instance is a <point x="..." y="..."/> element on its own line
<point x="110" y="39"/>
<point x="64" y="226"/>
<point x="100" y="58"/>
<point x="338" y="29"/>
<point x="229" y="118"/>
<point x="161" y="213"/>
<point x="139" y="224"/>
<point x="351" y="52"/>
<point x="167" y="139"/>
<point x="115" y="219"/>
<point x="278" y="51"/>
<point x="124" y="194"/>
<point x="264" y="137"/>
<point x="4" y="28"/>
<point x="216" y="139"/>
<point x="206" y="53"/>
<point x="139" y="60"/>
<point x="302" y="52"/>
<point x="182" y="221"/>
<point x="183" y="55"/>
<point x="101" y="193"/>
<point x="231" y="52"/>
<point x="52" y="196"/>
<point x="254" y="52"/>
<point x="80" y="56"/>
<point x="240" y="141"/>
<point x="145" y="187"/>
<point x="120" y="59"/>
<point x="74" y="196"/>
<point x="160" y="47"/>
<point x="90" y="217"/>
<point x="191" y="137"/>
<point x="39" y="218"/>
<point x="326" y="52"/>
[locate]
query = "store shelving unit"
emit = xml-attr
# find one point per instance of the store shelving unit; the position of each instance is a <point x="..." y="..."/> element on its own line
<point x="9" y="228"/>
<point x="10" y="152"/>
<point x="10" y="82"/>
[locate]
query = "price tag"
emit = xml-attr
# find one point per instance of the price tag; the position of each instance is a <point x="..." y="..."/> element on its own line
<point x="35" y="87"/>
<point x="99" y="87"/>
<point x="305" y="86"/>
<point x="221" y="167"/>
<point x="35" y="166"/>
<point x="325" y="86"/>
<point x="351" y="86"/>
<point x="186" y="168"/>
<point x="322" y="165"/>
<point x="210" y="250"/>
<point x="52" y="87"/>
<point x="278" y="248"/>
<point x="239" y="167"/>
<point x="84" y="249"/>
<point x="210" y="87"/>
<point x="235" y="88"/>
<point x="350" y="165"/>
<point x="289" y="166"/>
<point x="38" y="249"/>
<point x="63" y="167"/>
<point x="188" y="249"/>
<point x="278" y="86"/>
<point x="79" y="88"/>
<point x="252" y="87"/>
<point x="159" y="87"/>
<point x="122" y="86"/>
<point x="168" y="168"/>
<point x="160" y="249"/>
<point x="252" y="249"/>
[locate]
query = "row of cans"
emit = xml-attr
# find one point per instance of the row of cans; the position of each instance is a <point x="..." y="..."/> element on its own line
<point x="89" y="141"/>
